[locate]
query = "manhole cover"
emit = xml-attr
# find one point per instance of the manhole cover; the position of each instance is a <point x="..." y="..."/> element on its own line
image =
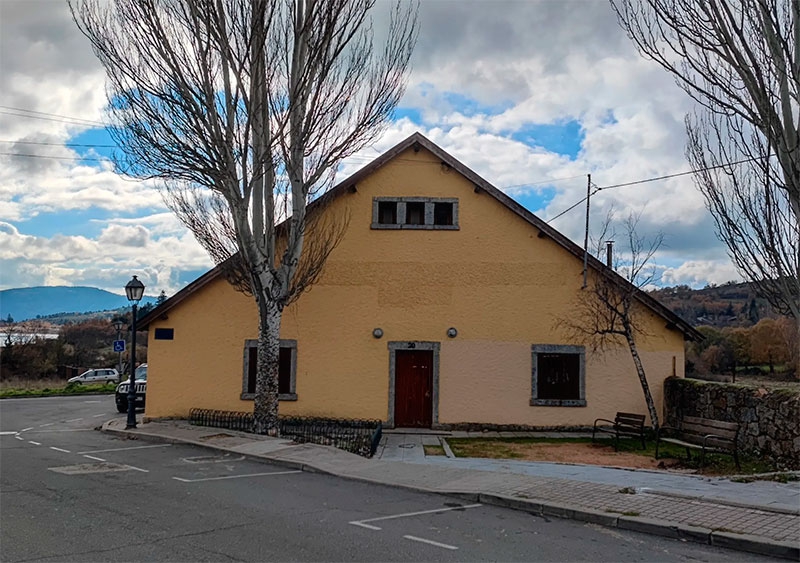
<point x="406" y="445"/>
<point x="86" y="468"/>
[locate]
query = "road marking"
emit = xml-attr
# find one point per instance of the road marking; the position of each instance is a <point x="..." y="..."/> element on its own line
<point x="138" y="469"/>
<point x="60" y="450"/>
<point x="125" y="449"/>
<point x="19" y="437"/>
<point x="34" y="443"/>
<point x="430" y="542"/>
<point x="235" y="476"/>
<point x="408" y="514"/>
<point x="367" y="526"/>
<point x="26" y="429"/>
<point x="94" y="458"/>
<point x="88" y="468"/>
<point x="73" y="420"/>
<point x="93" y="401"/>
<point x="97" y="415"/>
<point x="48" y="424"/>
<point x="212" y="459"/>
<point x="9" y="433"/>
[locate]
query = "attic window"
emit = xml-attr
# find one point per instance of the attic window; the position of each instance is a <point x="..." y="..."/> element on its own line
<point x="420" y="213"/>
<point x="415" y="213"/>
<point x="443" y="213"/>
<point x="387" y="212"/>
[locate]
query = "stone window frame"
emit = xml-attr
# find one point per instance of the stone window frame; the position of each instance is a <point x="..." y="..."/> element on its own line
<point x="394" y="346"/>
<point x="284" y="343"/>
<point x="401" y="213"/>
<point x="537" y="349"/>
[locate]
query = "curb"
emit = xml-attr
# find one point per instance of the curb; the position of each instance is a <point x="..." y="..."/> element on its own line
<point x="717" y="538"/>
<point x="722" y="501"/>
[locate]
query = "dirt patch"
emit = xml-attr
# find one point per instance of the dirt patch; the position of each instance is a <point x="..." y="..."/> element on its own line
<point x="590" y="454"/>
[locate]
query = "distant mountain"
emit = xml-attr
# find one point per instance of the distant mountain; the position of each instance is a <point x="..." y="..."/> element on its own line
<point x="32" y="302"/>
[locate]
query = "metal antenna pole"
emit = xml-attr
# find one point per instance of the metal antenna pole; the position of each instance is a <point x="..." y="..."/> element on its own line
<point x="586" y="235"/>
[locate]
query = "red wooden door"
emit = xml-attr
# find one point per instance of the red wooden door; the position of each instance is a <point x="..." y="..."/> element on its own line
<point x="413" y="388"/>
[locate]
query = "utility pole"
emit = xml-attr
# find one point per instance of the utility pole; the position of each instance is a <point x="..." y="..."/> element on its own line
<point x="586" y="235"/>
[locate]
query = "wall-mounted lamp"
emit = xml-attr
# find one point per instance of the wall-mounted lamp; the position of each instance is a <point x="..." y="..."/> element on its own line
<point x="452" y="332"/>
<point x="377" y="333"/>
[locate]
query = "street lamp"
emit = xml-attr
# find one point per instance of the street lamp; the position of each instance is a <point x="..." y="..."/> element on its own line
<point x="134" y="289"/>
<point x="118" y="326"/>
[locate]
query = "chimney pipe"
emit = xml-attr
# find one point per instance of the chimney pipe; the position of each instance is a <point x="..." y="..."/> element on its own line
<point x="610" y="253"/>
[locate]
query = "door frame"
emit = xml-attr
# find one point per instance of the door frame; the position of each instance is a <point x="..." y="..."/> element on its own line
<point x="414" y="345"/>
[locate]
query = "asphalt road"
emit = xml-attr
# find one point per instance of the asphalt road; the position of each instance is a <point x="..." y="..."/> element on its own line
<point x="71" y="493"/>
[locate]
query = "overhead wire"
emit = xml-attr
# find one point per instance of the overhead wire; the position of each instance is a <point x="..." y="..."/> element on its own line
<point x="48" y="116"/>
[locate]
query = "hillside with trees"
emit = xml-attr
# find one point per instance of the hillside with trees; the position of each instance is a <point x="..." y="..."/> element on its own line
<point x="727" y="305"/>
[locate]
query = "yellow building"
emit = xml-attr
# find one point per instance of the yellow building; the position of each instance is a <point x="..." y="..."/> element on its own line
<point x="439" y="307"/>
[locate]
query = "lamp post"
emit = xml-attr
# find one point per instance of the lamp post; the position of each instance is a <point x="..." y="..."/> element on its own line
<point x="134" y="290"/>
<point x="118" y="326"/>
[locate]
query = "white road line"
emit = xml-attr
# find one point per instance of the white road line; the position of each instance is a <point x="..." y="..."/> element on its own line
<point x="97" y="415"/>
<point x="125" y="449"/>
<point x="48" y="424"/>
<point x="73" y="420"/>
<point x="407" y="514"/>
<point x="93" y="401"/>
<point x="235" y="476"/>
<point x="9" y="433"/>
<point x="19" y="437"/>
<point x="367" y="526"/>
<point x="137" y="469"/>
<point x="60" y="450"/>
<point x="430" y="542"/>
<point x="94" y="458"/>
<point x="26" y="429"/>
<point x="34" y="443"/>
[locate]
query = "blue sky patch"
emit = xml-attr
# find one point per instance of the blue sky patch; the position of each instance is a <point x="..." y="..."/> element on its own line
<point x="469" y="107"/>
<point x="78" y="222"/>
<point x="97" y="139"/>
<point x="536" y="199"/>
<point x="562" y="138"/>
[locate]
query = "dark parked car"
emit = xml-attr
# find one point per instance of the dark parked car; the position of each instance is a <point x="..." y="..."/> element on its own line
<point x="121" y="394"/>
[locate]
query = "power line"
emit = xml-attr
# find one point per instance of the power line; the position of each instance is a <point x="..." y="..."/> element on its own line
<point x="91" y="146"/>
<point x="678" y="174"/>
<point x="53" y="157"/>
<point x="646" y="180"/>
<point x="45" y="115"/>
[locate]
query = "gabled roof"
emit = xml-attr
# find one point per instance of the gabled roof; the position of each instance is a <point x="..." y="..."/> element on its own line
<point x="418" y="141"/>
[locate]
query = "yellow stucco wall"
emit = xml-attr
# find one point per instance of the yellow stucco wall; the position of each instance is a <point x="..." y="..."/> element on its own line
<point x="494" y="280"/>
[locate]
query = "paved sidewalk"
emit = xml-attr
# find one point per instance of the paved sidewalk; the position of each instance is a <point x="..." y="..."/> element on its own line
<point x="757" y="529"/>
<point x="765" y="495"/>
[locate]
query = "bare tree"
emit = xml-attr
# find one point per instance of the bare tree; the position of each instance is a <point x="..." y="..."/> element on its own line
<point x="741" y="62"/>
<point x="608" y="310"/>
<point x="243" y="110"/>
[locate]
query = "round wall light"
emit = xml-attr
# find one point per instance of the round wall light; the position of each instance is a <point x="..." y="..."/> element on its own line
<point x="377" y="333"/>
<point x="452" y="332"/>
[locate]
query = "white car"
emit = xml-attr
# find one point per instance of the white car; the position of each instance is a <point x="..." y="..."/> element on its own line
<point x="105" y="375"/>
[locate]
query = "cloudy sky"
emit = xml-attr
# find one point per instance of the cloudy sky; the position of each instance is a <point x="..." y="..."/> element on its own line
<point x="532" y="95"/>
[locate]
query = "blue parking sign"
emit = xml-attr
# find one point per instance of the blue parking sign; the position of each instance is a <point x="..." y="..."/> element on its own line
<point x="119" y="345"/>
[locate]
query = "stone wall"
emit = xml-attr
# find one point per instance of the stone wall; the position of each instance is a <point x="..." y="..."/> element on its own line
<point x="770" y="420"/>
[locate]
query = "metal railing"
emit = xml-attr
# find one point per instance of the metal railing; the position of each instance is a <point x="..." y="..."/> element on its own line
<point x="357" y="436"/>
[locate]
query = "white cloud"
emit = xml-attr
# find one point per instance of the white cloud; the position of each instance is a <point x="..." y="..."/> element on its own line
<point x="483" y="72"/>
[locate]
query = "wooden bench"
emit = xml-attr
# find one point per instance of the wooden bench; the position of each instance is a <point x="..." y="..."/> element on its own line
<point x="624" y="424"/>
<point x="702" y="434"/>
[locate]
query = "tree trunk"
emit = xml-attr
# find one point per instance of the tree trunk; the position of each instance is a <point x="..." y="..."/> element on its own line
<point x="651" y="406"/>
<point x="265" y="412"/>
